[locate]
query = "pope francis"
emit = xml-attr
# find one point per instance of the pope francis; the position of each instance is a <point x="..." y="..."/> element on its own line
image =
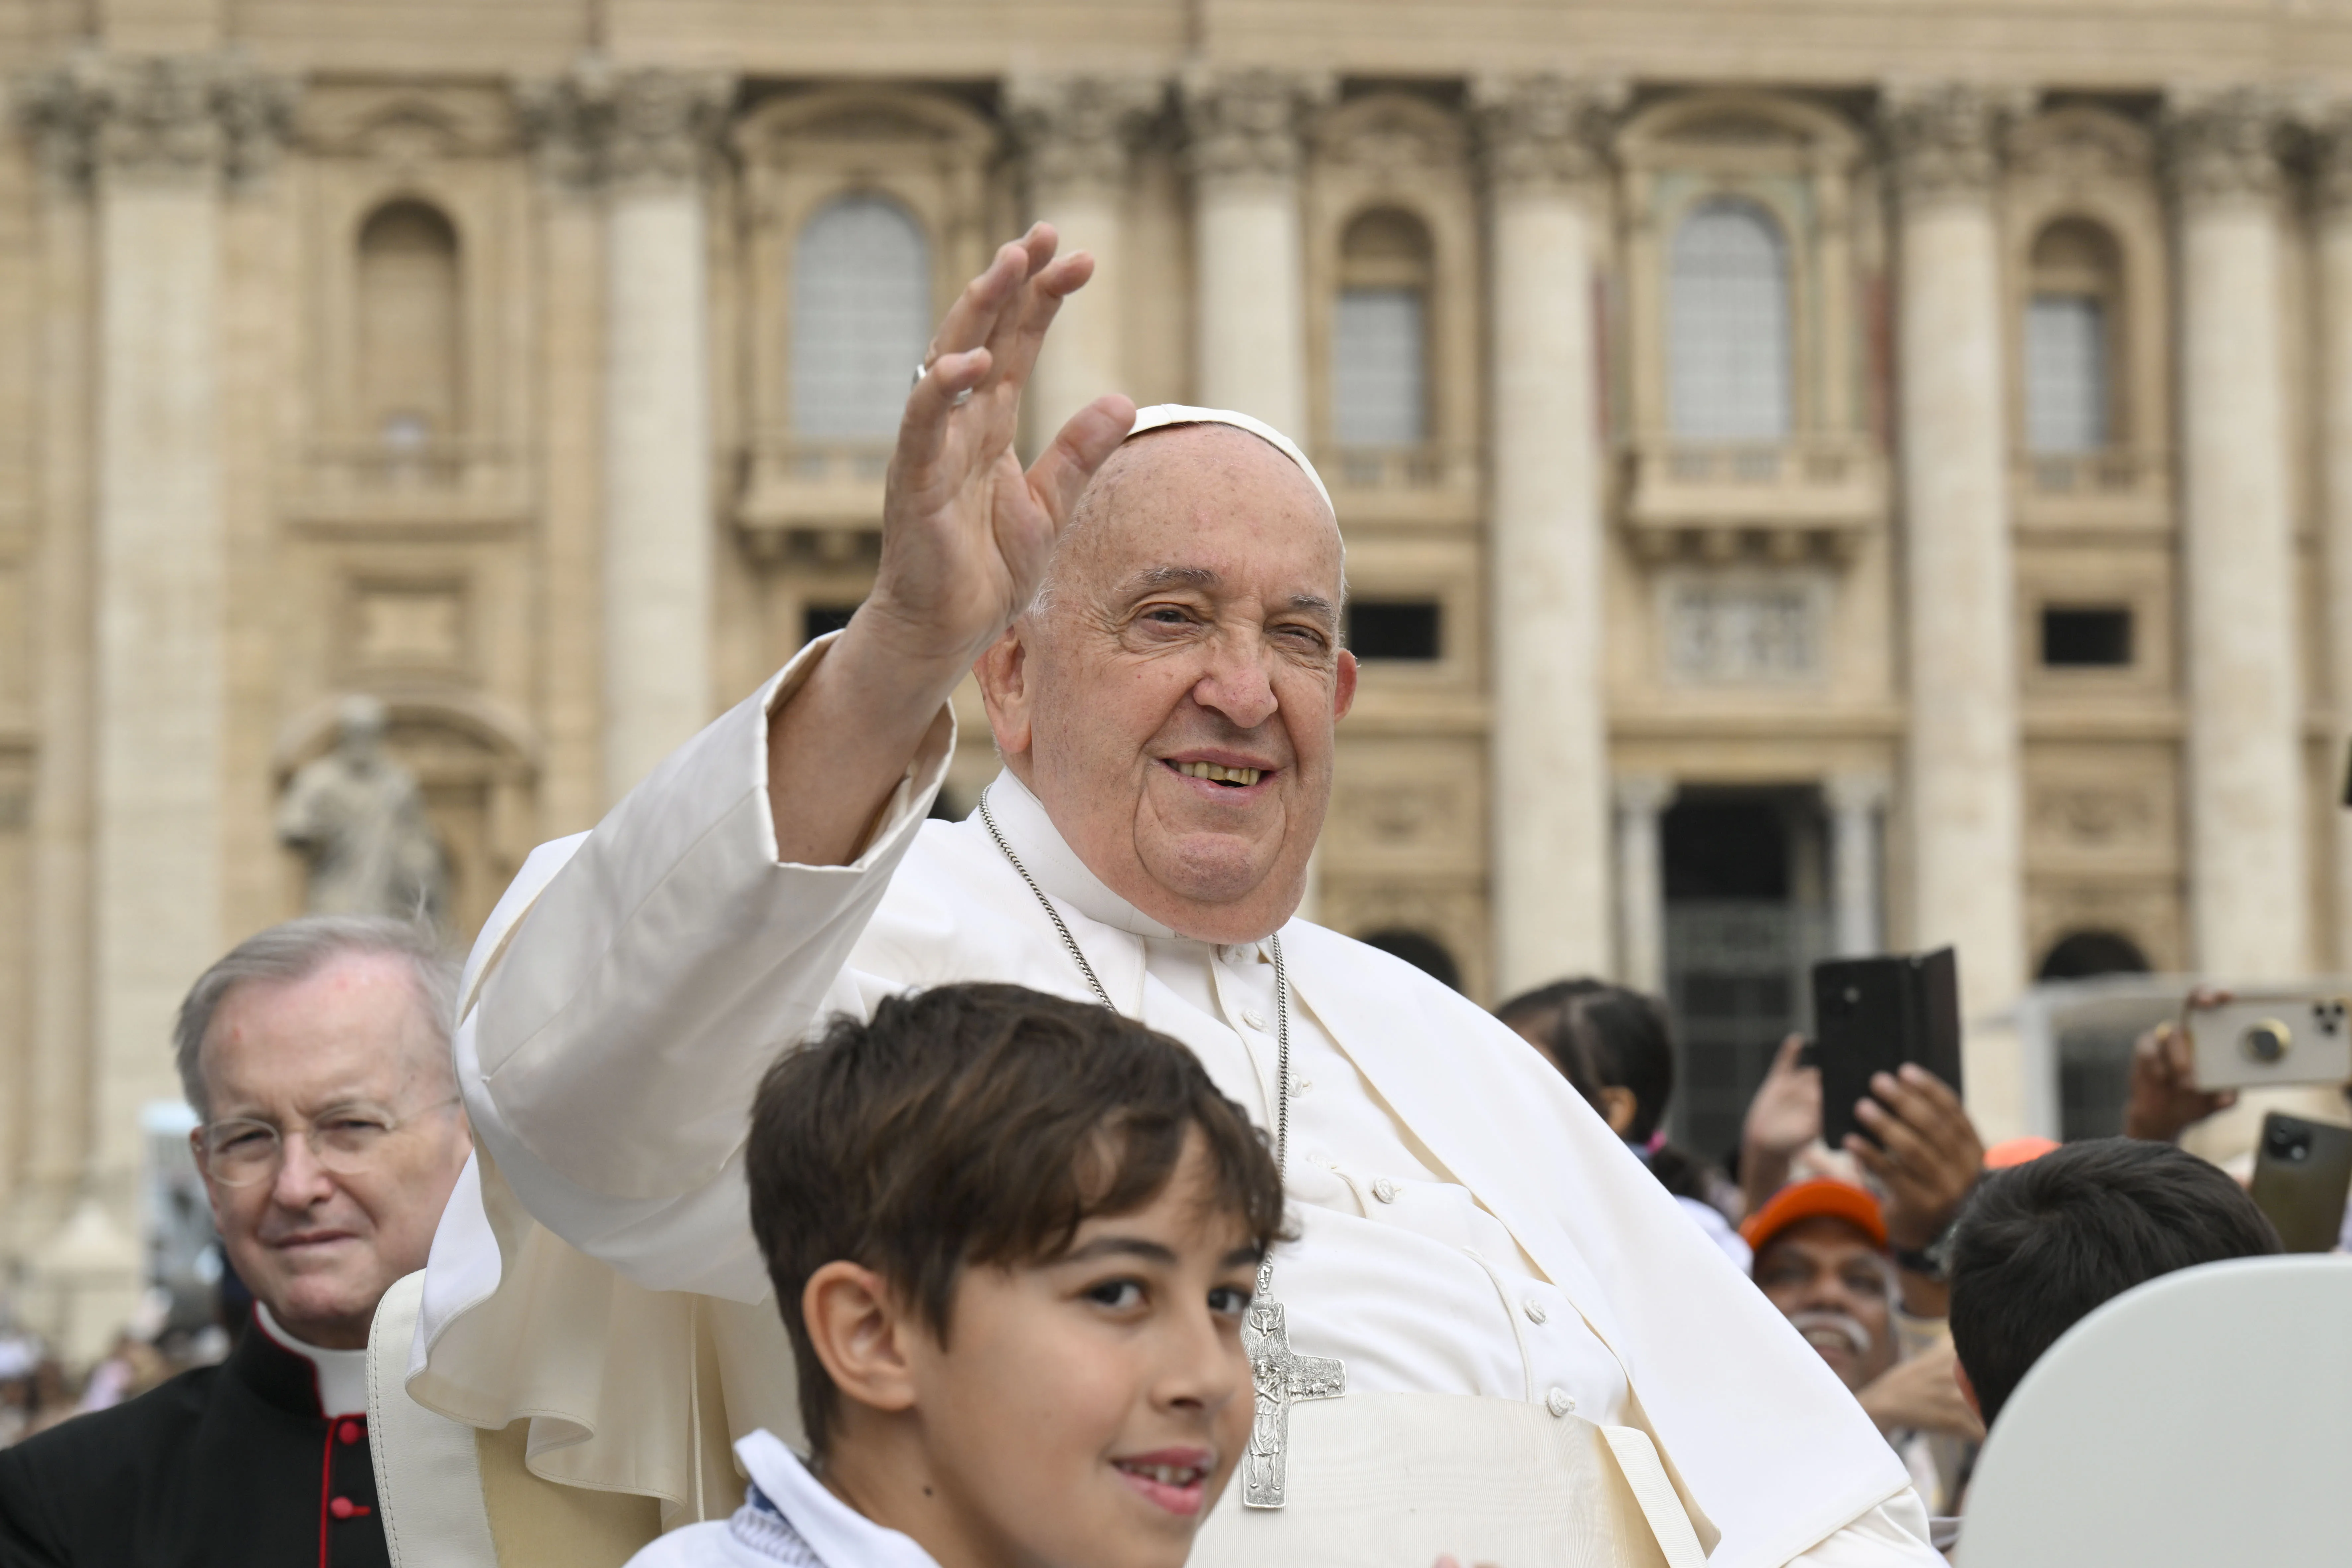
<point x="1493" y="1335"/>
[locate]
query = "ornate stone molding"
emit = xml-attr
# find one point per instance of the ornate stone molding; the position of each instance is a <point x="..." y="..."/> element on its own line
<point x="1248" y="123"/>
<point x="597" y="126"/>
<point x="2221" y="144"/>
<point x="168" y="116"/>
<point x="1547" y="130"/>
<point x="1943" y="138"/>
<point x="1079" y="130"/>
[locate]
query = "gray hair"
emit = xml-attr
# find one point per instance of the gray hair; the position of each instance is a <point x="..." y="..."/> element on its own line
<point x="299" y="949"/>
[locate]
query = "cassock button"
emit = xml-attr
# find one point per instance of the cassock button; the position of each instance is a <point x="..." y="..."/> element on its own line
<point x="1559" y="1401"/>
<point x="349" y="1432"/>
<point x="1254" y="1018"/>
<point x="1384" y="1189"/>
<point x="1535" y="1310"/>
<point x="344" y="1508"/>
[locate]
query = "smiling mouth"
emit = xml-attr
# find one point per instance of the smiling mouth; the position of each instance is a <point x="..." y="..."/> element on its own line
<point x="1233" y="778"/>
<point x="1179" y="1488"/>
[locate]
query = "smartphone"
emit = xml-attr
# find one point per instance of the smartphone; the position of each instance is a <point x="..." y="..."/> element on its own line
<point x="2259" y="1040"/>
<point x="1872" y="1015"/>
<point x="2302" y="1172"/>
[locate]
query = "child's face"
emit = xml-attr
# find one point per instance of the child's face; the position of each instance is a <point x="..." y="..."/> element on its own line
<point x="1086" y="1412"/>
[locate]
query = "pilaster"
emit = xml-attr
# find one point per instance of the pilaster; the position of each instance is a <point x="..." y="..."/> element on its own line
<point x="2331" y="191"/>
<point x="1962" y="770"/>
<point x="1544" y="142"/>
<point x="1244" y="149"/>
<point x="1642" y="802"/>
<point x="1077" y="134"/>
<point x="2247" y="869"/>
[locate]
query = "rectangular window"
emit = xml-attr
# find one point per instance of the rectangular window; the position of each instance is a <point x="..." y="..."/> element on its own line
<point x="1379" y="381"/>
<point x="2095" y="638"/>
<point x="2065" y="373"/>
<point x="1401" y="629"/>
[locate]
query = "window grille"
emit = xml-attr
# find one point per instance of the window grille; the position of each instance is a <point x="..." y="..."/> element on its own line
<point x="1378" y="377"/>
<point x="861" y="318"/>
<point x="1727" y="335"/>
<point x="2065" y="373"/>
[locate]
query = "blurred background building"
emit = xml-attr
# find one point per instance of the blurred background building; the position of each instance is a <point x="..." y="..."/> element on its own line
<point x="1817" y="475"/>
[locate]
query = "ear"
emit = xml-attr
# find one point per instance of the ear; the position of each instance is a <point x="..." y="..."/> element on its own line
<point x="1343" y="690"/>
<point x="1968" y="1390"/>
<point x="858" y="1330"/>
<point x="1617" y="1107"/>
<point x="1006" y="691"/>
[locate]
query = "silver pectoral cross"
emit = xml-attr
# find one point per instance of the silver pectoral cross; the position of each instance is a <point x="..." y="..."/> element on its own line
<point x="1281" y="1375"/>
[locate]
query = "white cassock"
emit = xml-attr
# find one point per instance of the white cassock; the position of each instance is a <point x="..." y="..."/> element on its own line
<point x="1515" y="1298"/>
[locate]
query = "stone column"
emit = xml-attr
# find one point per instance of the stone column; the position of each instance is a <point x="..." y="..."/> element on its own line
<point x="1076" y="132"/>
<point x="1642" y="800"/>
<point x="1854" y="802"/>
<point x="1965" y="806"/>
<point x="1544" y="142"/>
<point x="2335" y="355"/>
<point x="2248" y="878"/>
<point x="1250" y="261"/>
<point x="159" y="568"/>
<point x="659" y="524"/>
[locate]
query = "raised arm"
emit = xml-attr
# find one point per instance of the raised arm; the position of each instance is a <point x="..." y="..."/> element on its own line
<point x="965" y="538"/>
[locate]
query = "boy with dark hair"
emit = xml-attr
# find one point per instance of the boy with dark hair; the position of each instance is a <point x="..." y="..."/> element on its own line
<point x="1012" y="1239"/>
<point x="2040" y="1244"/>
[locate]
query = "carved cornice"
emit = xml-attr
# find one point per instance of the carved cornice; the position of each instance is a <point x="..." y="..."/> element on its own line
<point x="167" y="116"/>
<point x="2223" y="144"/>
<point x="1943" y="138"/>
<point x="1079" y="130"/>
<point x="1545" y="131"/>
<point x="596" y="126"/>
<point x="1249" y="123"/>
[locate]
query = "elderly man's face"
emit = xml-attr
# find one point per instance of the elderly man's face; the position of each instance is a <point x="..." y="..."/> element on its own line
<point x="1173" y="701"/>
<point x="1834" y="1287"/>
<point x="320" y="1246"/>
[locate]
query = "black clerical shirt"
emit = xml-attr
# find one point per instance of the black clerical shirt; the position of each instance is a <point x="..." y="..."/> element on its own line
<point x="233" y="1465"/>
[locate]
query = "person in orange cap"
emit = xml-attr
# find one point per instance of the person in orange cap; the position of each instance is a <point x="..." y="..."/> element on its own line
<point x="1821" y="1258"/>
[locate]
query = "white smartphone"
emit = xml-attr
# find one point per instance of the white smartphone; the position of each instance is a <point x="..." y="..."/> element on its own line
<point x="2255" y="1041"/>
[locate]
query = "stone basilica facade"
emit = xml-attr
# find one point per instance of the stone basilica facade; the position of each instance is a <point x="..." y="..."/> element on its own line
<point x="1815" y="477"/>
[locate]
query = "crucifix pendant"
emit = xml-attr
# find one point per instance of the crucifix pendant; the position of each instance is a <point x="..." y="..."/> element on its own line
<point x="1280" y="1375"/>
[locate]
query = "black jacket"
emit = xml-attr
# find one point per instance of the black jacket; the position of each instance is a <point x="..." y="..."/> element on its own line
<point x="225" y="1467"/>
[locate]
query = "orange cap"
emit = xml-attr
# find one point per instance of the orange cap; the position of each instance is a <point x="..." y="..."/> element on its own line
<point x="1821" y="1198"/>
<point x="2017" y="1152"/>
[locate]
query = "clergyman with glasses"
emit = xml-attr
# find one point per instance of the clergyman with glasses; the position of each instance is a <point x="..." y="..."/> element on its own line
<point x="316" y="1054"/>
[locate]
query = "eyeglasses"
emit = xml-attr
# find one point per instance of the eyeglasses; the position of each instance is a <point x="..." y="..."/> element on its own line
<point x="242" y="1151"/>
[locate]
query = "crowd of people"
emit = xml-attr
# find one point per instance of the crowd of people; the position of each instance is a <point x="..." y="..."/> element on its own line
<point x="1034" y="1188"/>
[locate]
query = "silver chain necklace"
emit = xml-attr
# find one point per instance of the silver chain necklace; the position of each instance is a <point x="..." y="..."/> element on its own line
<point x="1281" y="1374"/>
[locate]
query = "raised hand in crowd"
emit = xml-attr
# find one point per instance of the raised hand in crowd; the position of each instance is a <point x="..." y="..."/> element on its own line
<point x="1926" y="1157"/>
<point x="1920" y="1394"/>
<point x="2164" y="1099"/>
<point x="1785" y="1116"/>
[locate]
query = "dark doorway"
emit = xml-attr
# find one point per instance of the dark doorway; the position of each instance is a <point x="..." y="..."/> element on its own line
<point x="1744" y="875"/>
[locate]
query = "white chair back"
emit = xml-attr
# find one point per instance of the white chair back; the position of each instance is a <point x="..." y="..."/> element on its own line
<point x="2201" y="1420"/>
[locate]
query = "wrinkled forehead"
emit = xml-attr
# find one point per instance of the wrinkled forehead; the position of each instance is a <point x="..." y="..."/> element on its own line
<point x="1205" y="497"/>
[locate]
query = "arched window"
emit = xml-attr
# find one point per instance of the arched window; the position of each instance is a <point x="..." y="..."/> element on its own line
<point x="410" y="326"/>
<point x="861" y="318"/>
<point x="1379" y="348"/>
<point x="2083" y="954"/>
<point x="2069" y="352"/>
<point x="1727" y="331"/>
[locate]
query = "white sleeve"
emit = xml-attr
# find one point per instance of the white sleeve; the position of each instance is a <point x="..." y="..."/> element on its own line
<point x="633" y="998"/>
<point x="1892" y="1535"/>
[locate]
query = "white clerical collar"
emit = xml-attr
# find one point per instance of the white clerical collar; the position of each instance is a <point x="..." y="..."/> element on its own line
<point x="1056" y="866"/>
<point x="343" y="1374"/>
<point x="839" y="1535"/>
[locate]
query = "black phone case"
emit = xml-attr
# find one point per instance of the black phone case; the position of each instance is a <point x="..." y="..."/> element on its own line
<point x="2304" y="1195"/>
<point x="1872" y="1015"/>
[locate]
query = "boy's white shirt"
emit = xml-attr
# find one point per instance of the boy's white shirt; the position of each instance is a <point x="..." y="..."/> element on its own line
<point x="835" y="1534"/>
